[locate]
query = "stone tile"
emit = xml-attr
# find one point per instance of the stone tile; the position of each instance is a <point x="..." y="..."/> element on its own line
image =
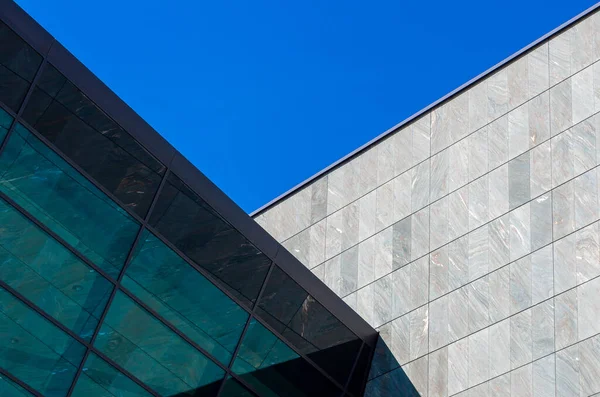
<point x="419" y="332"/>
<point x="333" y="235"/>
<point x="497" y="94"/>
<point x="382" y="301"/>
<point x="459" y="110"/>
<point x="520" y="339"/>
<point x="518" y="181"/>
<point x="421" y="133"/>
<point x="419" y="281"/>
<point x="419" y="233"/>
<point x="518" y="82"/>
<point x="458" y="366"/>
<point x="500" y="386"/>
<point x="563" y="162"/>
<point x="565" y="318"/>
<point x="544" y="377"/>
<point x="518" y="131"/>
<point x="420" y="186"/>
<point x="458" y="313"/>
<point x="521" y="382"/>
<point x="499" y="191"/>
<point x="498" y="142"/>
<point x="478" y="202"/>
<point x="541" y="221"/>
<point x="383" y="358"/>
<point x="589" y="366"/>
<point x="319" y="271"/>
<point x="400" y="329"/>
<point x="351" y="222"/>
<point x="596" y="71"/>
<point x="478" y="105"/>
<point x="332" y="274"/>
<point x="349" y="271"/>
<point x="367" y="171"/>
<point x="539" y="119"/>
<point x="401" y="243"/>
<point x="439" y="273"/>
<point x="538" y="69"/>
<point x="401" y="294"/>
<point x="478" y="304"/>
<point x="367" y="216"/>
<point x="366" y="262"/>
<point x="499" y="242"/>
<point x="520" y="232"/>
<point x="458" y="174"/>
<point x="402" y="141"/>
<point x="582" y="95"/>
<point x="386" y="159"/>
<point x="479" y="363"/>
<point x="588" y="308"/>
<point x="587" y="255"/>
<point x="350" y="300"/>
<point x="565" y="264"/>
<point x="364" y="303"/>
<point x="418" y="375"/>
<point x="582" y="45"/>
<point x="439" y="214"/>
<point x="438" y="373"/>
<point x="383" y="252"/>
<point x="478" y="252"/>
<point x="542" y="275"/>
<point x="438" y="320"/>
<point x="499" y="345"/>
<point x="337" y="195"/>
<point x="441" y="123"/>
<point x="583" y="138"/>
<point x="439" y="175"/>
<point x="499" y="300"/>
<point x="542" y="332"/>
<point x="540" y="166"/>
<point x="384" y="198"/>
<point x="563" y="210"/>
<point x="458" y="213"/>
<point x="585" y="198"/>
<point x="559" y="49"/>
<point x="318" y="201"/>
<point x="520" y="284"/>
<point x="458" y="258"/>
<point x="561" y="109"/>
<point x="567" y="372"/>
<point x="299" y="246"/>
<point x="402" y="196"/>
<point x="478" y="153"/>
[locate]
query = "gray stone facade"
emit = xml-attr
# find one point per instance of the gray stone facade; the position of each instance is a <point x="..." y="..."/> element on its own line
<point x="470" y="237"/>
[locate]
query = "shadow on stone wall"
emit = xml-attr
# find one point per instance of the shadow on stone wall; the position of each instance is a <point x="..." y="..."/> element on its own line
<point x="386" y="378"/>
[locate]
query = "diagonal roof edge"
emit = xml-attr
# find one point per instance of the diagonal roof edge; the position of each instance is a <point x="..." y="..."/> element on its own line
<point x="420" y="113"/>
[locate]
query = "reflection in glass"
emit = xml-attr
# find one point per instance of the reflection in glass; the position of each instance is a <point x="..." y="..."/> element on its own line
<point x="308" y="326"/>
<point x="200" y="233"/>
<point x="8" y="388"/>
<point x="273" y="369"/>
<point x="83" y="132"/>
<point x="49" y="275"/>
<point x="185" y="298"/>
<point x="35" y="350"/>
<point x="68" y="204"/>
<point x="18" y="65"/>
<point x="100" y="379"/>
<point x="150" y="351"/>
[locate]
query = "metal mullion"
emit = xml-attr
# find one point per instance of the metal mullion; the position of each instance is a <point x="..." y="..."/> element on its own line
<point x="246" y="326"/>
<point x="20" y="382"/>
<point x="362" y="346"/>
<point x="116" y="286"/>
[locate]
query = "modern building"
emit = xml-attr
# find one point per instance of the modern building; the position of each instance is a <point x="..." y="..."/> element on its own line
<point x="468" y="235"/>
<point x="125" y="272"/>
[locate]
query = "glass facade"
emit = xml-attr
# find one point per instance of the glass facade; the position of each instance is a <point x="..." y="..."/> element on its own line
<point x="118" y="279"/>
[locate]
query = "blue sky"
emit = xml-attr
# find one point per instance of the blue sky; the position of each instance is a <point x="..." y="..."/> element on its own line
<point x="262" y="95"/>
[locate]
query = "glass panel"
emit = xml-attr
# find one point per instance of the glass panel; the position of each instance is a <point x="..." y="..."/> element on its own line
<point x="273" y="369"/>
<point x="144" y="346"/>
<point x="359" y="376"/>
<point x="18" y="65"/>
<point x="185" y="298"/>
<point x="8" y="388"/>
<point x="305" y="323"/>
<point x="233" y="388"/>
<point x="35" y="350"/>
<point x="100" y="379"/>
<point x="82" y="131"/>
<point x="49" y="275"/>
<point x="200" y="233"/>
<point x="68" y="204"/>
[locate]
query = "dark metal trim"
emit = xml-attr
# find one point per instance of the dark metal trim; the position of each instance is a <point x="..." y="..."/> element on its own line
<point x="20" y="382"/>
<point x="362" y="346"/>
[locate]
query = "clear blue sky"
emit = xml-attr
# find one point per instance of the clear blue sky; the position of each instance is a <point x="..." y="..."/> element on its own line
<point x="262" y="95"/>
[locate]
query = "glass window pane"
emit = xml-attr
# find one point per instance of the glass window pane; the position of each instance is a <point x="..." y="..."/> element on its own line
<point x="5" y="122"/>
<point x="154" y="354"/>
<point x="49" y="275"/>
<point x="233" y="388"/>
<point x="100" y="379"/>
<point x="359" y="376"/>
<point x="308" y="326"/>
<point x="70" y="120"/>
<point x="8" y="388"/>
<point x="35" y="350"/>
<point x="18" y="65"/>
<point x="200" y="233"/>
<point x="273" y="369"/>
<point x="59" y="197"/>
<point x="185" y="298"/>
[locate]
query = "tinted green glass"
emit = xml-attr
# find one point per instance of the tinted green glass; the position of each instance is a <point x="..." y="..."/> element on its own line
<point x="100" y="379"/>
<point x="144" y="346"/>
<point x="49" y="275"/>
<point x="9" y="388"/>
<point x="185" y="298"/>
<point x="34" y="350"/>
<point x="233" y="388"/>
<point x="67" y="203"/>
<point x="5" y="121"/>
